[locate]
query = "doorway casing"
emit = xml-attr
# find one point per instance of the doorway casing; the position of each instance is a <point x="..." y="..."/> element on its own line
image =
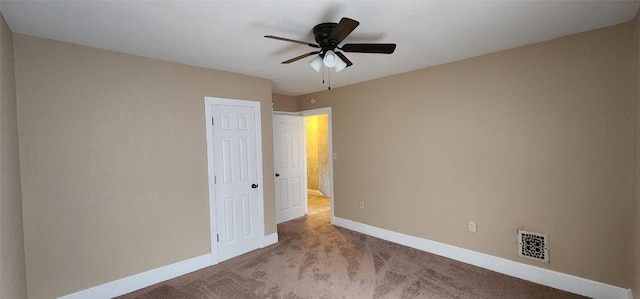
<point x="314" y="112"/>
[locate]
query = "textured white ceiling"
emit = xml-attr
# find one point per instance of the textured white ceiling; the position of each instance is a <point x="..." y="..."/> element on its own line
<point x="228" y="35"/>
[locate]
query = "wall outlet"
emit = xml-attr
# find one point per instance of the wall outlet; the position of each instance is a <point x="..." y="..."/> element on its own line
<point x="472" y="226"/>
<point x="361" y="205"/>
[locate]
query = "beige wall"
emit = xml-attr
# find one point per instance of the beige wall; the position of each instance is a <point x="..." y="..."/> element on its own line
<point x="538" y="138"/>
<point x="636" y="217"/>
<point x="285" y="103"/>
<point x="12" y="263"/>
<point x="114" y="164"/>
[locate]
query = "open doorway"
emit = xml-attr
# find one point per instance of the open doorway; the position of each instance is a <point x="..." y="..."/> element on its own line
<point x="291" y="165"/>
<point x="318" y="156"/>
<point x="319" y="162"/>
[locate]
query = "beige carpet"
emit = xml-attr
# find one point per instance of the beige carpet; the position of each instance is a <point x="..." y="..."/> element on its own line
<point x="314" y="259"/>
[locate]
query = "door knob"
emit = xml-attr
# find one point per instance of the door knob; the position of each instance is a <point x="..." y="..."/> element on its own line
<point x="254" y="186"/>
<point x="277" y="174"/>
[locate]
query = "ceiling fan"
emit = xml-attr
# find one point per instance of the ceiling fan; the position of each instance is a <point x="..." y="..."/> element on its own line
<point x="328" y="38"/>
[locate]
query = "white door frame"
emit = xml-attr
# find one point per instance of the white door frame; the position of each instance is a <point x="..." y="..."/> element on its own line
<point x="209" y="101"/>
<point x="321" y="111"/>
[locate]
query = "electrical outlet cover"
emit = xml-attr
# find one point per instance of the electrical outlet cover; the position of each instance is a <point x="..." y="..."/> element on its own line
<point x="472" y="227"/>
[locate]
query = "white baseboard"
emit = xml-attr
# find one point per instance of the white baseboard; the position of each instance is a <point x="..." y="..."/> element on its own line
<point x="269" y="240"/>
<point x="554" y="279"/>
<point x="151" y="277"/>
<point x="314" y="192"/>
<point x="142" y="280"/>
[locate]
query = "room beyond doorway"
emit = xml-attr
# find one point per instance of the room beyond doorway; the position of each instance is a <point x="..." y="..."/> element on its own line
<point x="318" y="204"/>
<point x="325" y="178"/>
<point x="317" y="139"/>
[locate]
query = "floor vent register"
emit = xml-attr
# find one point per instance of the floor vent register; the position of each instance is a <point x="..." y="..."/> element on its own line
<point x="532" y="245"/>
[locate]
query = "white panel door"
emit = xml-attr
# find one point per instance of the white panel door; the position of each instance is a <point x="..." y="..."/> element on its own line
<point x="235" y="179"/>
<point x="289" y="164"/>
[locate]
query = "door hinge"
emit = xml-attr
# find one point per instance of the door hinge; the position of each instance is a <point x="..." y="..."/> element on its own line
<point x="218" y="237"/>
<point x="215" y="179"/>
<point x="212" y="121"/>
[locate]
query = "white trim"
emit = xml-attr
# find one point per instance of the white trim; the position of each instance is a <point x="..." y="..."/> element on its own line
<point x="210" y="173"/>
<point x="554" y="279"/>
<point x="314" y="192"/>
<point x="286" y="113"/>
<point x="269" y="240"/>
<point x="327" y="111"/>
<point x="142" y="280"/>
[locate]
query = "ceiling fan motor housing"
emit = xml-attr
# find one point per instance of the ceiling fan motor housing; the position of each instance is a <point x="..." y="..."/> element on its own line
<point x="322" y="33"/>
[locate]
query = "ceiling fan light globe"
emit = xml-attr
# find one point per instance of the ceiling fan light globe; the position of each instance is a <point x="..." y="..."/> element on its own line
<point x="316" y="63"/>
<point x="330" y="59"/>
<point x="340" y="65"/>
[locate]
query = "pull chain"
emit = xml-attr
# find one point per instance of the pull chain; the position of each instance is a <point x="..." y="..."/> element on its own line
<point x="328" y="71"/>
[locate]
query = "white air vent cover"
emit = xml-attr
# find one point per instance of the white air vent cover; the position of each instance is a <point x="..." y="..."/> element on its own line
<point x="533" y="246"/>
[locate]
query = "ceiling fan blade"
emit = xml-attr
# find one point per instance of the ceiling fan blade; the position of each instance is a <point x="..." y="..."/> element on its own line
<point x="292" y="40"/>
<point x="344" y="58"/>
<point x="343" y="29"/>
<point x="300" y="57"/>
<point x="369" y="48"/>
